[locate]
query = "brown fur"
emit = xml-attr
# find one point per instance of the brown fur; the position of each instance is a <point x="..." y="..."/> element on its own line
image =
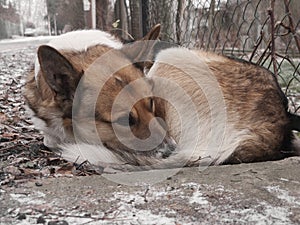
<point x="254" y="93"/>
<point x="255" y="105"/>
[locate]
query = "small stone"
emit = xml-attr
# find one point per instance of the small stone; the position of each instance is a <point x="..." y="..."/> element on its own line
<point x="21" y="216"/>
<point x="38" y="184"/>
<point x="170" y="188"/>
<point x="87" y="215"/>
<point x="40" y="220"/>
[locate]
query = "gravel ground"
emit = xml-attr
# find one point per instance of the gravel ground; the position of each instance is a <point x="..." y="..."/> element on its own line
<point x="37" y="187"/>
<point x="22" y="154"/>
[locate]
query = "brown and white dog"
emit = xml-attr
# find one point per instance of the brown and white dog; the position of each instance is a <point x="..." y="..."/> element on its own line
<point x="220" y="110"/>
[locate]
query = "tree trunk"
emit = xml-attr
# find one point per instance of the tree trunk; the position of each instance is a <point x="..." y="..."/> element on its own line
<point x="178" y="20"/>
<point x="102" y="11"/>
<point x="211" y="18"/>
<point x="145" y="17"/>
<point x="136" y="19"/>
<point x="121" y="19"/>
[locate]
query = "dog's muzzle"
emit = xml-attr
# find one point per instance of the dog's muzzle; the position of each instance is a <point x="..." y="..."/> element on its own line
<point x="166" y="148"/>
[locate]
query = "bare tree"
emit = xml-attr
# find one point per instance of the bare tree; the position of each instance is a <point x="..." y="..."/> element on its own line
<point x="121" y="19"/>
<point x="136" y="18"/>
<point x="179" y="13"/>
<point x="162" y="11"/>
<point x="103" y="14"/>
<point x="145" y="16"/>
<point x="65" y="12"/>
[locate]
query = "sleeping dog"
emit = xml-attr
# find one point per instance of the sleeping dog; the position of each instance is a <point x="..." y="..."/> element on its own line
<point x="91" y="99"/>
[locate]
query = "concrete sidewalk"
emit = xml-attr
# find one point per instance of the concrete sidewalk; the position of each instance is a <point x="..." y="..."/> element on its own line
<point x="260" y="193"/>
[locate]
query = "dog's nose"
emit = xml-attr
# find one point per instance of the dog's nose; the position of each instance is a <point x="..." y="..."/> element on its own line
<point x="170" y="142"/>
<point x="167" y="147"/>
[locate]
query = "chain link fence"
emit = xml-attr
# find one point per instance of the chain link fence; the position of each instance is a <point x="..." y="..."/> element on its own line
<point x="264" y="32"/>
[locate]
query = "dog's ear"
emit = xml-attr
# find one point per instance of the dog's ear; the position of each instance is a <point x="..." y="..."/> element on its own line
<point x="154" y="33"/>
<point x="141" y="52"/>
<point x="58" y="72"/>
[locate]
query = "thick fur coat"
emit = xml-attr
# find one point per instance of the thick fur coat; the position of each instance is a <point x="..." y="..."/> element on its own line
<point x="237" y="110"/>
<point x="214" y="109"/>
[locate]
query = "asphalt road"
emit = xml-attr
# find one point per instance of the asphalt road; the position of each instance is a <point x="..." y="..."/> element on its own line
<point x="22" y="43"/>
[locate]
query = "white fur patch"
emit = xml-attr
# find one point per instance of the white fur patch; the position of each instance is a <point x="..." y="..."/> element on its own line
<point x="94" y="154"/>
<point x="80" y="41"/>
<point x="52" y="135"/>
<point x="37" y="122"/>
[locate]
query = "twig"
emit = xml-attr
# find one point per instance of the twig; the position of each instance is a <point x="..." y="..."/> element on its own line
<point x="18" y="131"/>
<point x="145" y="194"/>
<point x="119" y="29"/>
<point x="259" y="61"/>
<point x="273" y="50"/>
<point x="257" y="44"/>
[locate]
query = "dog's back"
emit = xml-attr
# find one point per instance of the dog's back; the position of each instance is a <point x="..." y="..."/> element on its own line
<point x="240" y="111"/>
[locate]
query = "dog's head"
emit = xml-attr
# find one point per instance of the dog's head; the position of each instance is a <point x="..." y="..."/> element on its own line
<point x="104" y="96"/>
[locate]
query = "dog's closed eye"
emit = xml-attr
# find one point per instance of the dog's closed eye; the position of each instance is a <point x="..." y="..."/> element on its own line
<point x="126" y="120"/>
<point x="151" y="105"/>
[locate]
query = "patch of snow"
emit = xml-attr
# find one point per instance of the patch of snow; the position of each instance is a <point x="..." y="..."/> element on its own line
<point x="35" y="198"/>
<point x="283" y="195"/>
<point x="277" y="214"/>
<point x="268" y="215"/>
<point x="220" y="188"/>
<point x="128" y="198"/>
<point x="146" y="217"/>
<point x="198" y="198"/>
<point x="128" y="213"/>
<point x="192" y="185"/>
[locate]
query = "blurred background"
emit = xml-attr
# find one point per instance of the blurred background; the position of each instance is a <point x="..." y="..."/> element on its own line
<point x="265" y="32"/>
